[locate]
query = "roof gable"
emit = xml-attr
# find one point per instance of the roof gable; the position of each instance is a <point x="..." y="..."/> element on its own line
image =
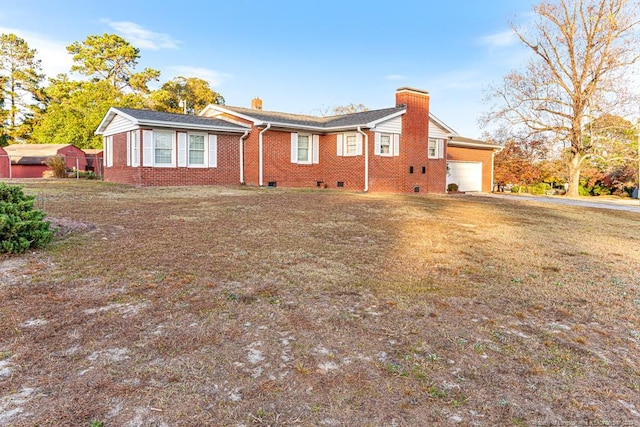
<point x="366" y="119"/>
<point x="134" y="118"/>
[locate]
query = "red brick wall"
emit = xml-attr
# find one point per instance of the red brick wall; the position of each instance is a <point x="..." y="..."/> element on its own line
<point x="414" y="143"/>
<point x="120" y="172"/>
<point x="475" y="155"/>
<point x="226" y="173"/>
<point x="346" y="169"/>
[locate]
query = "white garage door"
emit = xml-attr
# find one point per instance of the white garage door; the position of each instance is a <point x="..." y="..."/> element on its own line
<point x="468" y="175"/>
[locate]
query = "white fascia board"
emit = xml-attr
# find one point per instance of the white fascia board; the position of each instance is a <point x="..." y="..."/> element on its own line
<point x="233" y="113"/>
<point x="442" y="124"/>
<point x="319" y="129"/>
<point x="373" y="124"/>
<point x="470" y="144"/>
<point x="179" y="125"/>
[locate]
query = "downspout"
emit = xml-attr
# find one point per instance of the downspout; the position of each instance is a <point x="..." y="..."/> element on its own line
<point x="261" y="157"/>
<point x="493" y="184"/>
<point x="242" y="156"/>
<point x="366" y="159"/>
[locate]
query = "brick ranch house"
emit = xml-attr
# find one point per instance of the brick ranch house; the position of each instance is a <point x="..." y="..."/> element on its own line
<point x="400" y="149"/>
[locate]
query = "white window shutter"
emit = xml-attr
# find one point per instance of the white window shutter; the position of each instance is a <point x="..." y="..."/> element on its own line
<point x="213" y="151"/>
<point x="109" y="155"/>
<point x="358" y="144"/>
<point x="135" y="159"/>
<point x="147" y="148"/>
<point x="339" y="144"/>
<point x="182" y="149"/>
<point x="128" y="148"/>
<point x="440" y="148"/>
<point x="377" y="150"/>
<point x="316" y="148"/>
<point x="396" y="144"/>
<point x="105" y="149"/>
<point x="294" y="147"/>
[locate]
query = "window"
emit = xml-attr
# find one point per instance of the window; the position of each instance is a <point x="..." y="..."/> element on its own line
<point x="303" y="149"/>
<point x="196" y="150"/>
<point x="385" y="144"/>
<point x="349" y="144"/>
<point x="163" y="147"/>
<point x="435" y="150"/>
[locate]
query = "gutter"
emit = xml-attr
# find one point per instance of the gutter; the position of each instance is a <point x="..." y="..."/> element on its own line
<point x="366" y="158"/>
<point x="261" y="156"/>
<point x="241" y="147"/>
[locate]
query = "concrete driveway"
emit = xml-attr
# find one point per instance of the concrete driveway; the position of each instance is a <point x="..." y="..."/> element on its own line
<point x="629" y="205"/>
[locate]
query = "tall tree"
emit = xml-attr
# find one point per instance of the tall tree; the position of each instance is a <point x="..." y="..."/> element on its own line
<point x="195" y="92"/>
<point x="19" y="85"/>
<point x="582" y="51"/>
<point x="76" y="109"/>
<point x="110" y="57"/>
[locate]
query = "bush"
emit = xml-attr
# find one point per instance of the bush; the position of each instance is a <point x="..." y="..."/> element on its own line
<point x="21" y="226"/>
<point x="58" y="166"/>
<point x="583" y="191"/>
<point x="452" y="188"/>
<point x="539" y="188"/>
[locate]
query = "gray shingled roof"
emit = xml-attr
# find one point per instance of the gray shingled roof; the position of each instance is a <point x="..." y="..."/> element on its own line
<point x="347" y="120"/>
<point x="146" y="116"/>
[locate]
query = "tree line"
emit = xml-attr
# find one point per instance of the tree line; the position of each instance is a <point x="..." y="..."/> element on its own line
<point x="67" y="110"/>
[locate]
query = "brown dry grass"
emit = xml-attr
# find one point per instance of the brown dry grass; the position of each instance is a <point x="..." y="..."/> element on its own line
<point x="219" y="306"/>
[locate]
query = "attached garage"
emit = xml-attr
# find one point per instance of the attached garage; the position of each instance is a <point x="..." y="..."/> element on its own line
<point x="468" y="175"/>
<point x="470" y="164"/>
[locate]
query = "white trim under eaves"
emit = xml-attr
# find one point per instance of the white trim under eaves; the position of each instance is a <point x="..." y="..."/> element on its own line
<point x="469" y="144"/>
<point x="373" y="124"/>
<point x="182" y="125"/>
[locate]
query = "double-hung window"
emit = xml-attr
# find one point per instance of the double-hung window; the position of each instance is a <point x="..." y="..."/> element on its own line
<point x="304" y="149"/>
<point x="351" y="145"/>
<point x="435" y="149"/>
<point x="163" y="148"/>
<point x="385" y="144"/>
<point x="196" y="150"/>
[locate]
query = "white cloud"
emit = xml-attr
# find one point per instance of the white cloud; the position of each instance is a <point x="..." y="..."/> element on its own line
<point x="142" y="38"/>
<point x="500" y="40"/>
<point x="53" y="53"/>
<point x="395" y="77"/>
<point x="215" y="78"/>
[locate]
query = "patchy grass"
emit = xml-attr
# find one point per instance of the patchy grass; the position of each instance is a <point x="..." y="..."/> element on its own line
<point x="240" y="306"/>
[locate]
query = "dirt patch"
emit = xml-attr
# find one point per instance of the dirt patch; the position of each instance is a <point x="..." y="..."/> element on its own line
<point x="64" y="226"/>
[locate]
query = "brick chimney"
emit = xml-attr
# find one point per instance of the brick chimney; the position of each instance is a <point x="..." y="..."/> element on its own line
<point x="256" y="104"/>
<point x="421" y="174"/>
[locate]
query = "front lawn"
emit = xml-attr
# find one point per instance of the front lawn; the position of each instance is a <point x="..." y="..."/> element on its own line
<point x="245" y="306"/>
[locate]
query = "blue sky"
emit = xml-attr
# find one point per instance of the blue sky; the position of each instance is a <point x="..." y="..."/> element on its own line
<point x="299" y="56"/>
